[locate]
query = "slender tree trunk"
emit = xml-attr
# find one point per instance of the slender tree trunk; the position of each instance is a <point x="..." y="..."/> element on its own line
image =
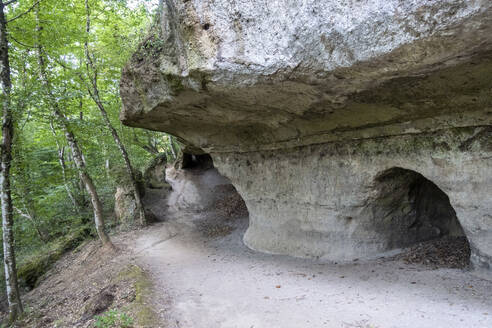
<point x="13" y="295"/>
<point x="31" y="217"/>
<point x="173" y="147"/>
<point x="72" y="142"/>
<point x="129" y="168"/>
<point x="61" y="160"/>
<point x="94" y="93"/>
<point x="86" y="178"/>
<point x="78" y="185"/>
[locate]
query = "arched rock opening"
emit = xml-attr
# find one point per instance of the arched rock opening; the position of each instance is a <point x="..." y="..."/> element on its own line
<point x="408" y="208"/>
<point x="339" y="202"/>
<point x="198" y="185"/>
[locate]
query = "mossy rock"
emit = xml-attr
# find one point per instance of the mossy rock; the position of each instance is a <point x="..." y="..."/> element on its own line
<point x="155" y="174"/>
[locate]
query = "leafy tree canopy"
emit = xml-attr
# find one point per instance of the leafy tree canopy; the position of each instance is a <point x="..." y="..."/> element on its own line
<point x="42" y="185"/>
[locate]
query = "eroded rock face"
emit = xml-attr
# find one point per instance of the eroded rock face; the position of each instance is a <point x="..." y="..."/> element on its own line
<point x="155" y="173"/>
<point x="306" y="105"/>
<point x="333" y="200"/>
<point x="248" y="75"/>
<point x="124" y="204"/>
<point x="193" y="189"/>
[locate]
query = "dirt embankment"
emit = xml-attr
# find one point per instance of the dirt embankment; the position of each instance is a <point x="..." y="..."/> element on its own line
<point x="92" y="281"/>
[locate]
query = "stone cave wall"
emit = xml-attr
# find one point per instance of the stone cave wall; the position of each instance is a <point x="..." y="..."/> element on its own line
<point x="324" y="201"/>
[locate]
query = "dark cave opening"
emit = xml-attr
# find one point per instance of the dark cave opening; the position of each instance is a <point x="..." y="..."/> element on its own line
<point x="216" y="192"/>
<point x="192" y="161"/>
<point x="410" y="209"/>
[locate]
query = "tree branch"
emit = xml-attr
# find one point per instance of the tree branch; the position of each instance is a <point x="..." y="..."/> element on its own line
<point x="25" y="215"/>
<point x="9" y="2"/>
<point x="65" y="66"/>
<point x="147" y="147"/>
<point x="21" y="43"/>
<point x="25" y="12"/>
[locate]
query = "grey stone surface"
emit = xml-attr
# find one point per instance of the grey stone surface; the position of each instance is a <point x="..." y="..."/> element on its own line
<point x="248" y="75"/>
<point x="303" y="104"/>
<point x="124" y="204"/>
<point x="155" y="173"/>
<point x="193" y="189"/>
<point x="324" y="200"/>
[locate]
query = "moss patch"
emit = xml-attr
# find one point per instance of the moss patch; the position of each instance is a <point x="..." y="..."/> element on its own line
<point x="30" y="269"/>
<point x="141" y="308"/>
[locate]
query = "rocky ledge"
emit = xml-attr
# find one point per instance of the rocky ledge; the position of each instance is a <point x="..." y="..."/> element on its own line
<point x="350" y="128"/>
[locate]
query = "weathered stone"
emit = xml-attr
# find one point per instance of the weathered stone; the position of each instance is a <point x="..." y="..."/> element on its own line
<point x="124" y="204"/>
<point x="270" y="74"/>
<point x="324" y="200"/>
<point x="155" y="173"/>
<point x="99" y="303"/>
<point x="194" y="189"/>
<point x="305" y="105"/>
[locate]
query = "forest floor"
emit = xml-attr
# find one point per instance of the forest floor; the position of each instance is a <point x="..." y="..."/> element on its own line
<point x="192" y="270"/>
<point x="89" y="281"/>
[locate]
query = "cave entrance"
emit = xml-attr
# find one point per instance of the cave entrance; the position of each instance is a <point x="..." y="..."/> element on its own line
<point x="199" y="187"/>
<point x="411" y="210"/>
<point x="192" y="161"/>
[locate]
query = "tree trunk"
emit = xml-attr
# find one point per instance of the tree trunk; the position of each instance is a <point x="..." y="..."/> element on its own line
<point x="86" y="178"/>
<point x="94" y="93"/>
<point x="31" y="217"/>
<point x="13" y="295"/>
<point x="124" y="154"/>
<point x="61" y="160"/>
<point x="173" y="147"/>
<point x="160" y="12"/>
<point x="72" y="142"/>
<point x="78" y="186"/>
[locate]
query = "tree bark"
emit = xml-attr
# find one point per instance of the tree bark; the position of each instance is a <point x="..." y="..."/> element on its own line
<point x="31" y="217"/>
<point x="72" y="142"/>
<point x="86" y="178"/>
<point x="61" y="160"/>
<point x="173" y="147"/>
<point x="124" y="154"/>
<point x="78" y="186"/>
<point x="94" y="93"/>
<point x="13" y="295"/>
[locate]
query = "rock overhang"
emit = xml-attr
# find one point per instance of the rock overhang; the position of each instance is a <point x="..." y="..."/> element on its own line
<point x="303" y="104"/>
<point x="224" y="79"/>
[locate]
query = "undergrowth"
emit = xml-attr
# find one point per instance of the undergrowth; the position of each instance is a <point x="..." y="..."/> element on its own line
<point x="113" y="319"/>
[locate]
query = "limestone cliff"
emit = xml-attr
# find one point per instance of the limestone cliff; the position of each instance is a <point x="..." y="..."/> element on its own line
<point x="349" y="127"/>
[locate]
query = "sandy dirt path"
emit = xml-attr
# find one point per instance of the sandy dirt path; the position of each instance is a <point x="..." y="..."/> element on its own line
<point x="204" y="281"/>
<point x="217" y="282"/>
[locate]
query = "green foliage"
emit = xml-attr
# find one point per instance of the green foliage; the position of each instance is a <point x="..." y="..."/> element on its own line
<point x="37" y="260"/>
<point x="33" y="266"/>
<point x="113" y="319"/>
<point x="47" y="220"/>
